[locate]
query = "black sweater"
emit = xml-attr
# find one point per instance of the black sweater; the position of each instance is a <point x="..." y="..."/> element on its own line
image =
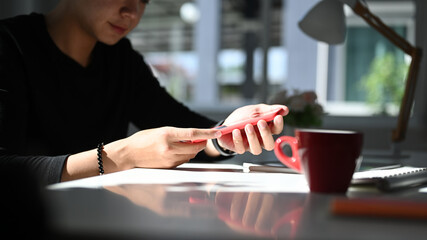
<point x="51" y="107"/>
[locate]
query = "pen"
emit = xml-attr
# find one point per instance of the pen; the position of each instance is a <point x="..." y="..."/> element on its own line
<point x="250" y="167"/>
<point x="379" y="208"/>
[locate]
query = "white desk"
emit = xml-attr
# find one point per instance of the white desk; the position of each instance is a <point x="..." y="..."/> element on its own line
<point x="221" y="203"/>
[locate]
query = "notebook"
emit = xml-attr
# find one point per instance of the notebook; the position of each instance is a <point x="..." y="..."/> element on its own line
<point x="384" y="178"/>
<point x="392" y="179"/>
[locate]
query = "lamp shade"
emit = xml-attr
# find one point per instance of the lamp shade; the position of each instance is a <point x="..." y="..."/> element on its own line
<point x="325" y="22"/>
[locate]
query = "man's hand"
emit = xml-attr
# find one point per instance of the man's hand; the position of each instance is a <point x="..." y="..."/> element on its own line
<point x="165" y="147"/>
<point x="253" y="138"/>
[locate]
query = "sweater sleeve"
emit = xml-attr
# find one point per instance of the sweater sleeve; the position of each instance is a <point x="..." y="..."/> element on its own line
<point x="14" y="115"/>
<point x="48" y="170"/>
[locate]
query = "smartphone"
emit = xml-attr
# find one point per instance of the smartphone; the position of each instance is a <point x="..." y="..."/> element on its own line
<point x="267" y="116"/>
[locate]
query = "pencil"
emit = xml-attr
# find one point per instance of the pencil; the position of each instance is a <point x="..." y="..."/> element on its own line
<point x="379" y="208"/>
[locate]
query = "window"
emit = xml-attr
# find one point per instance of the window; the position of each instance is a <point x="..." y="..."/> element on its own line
<point x="166" y="40"/>
<point x="341" y="75"/>
<point x="241" y="54"/>
<point x="169" y="44"/>
<point x="205" y="63"/>
<point x="367" y="74"/>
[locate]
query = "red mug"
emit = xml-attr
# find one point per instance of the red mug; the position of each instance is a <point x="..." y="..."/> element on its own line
<point x="327" y="158"/>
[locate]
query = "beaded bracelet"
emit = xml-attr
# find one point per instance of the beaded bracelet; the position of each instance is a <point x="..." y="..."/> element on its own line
<point x="100" y="163"/>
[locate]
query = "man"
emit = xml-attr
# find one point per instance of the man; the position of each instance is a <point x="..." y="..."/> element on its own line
<point x="71" y="81"/>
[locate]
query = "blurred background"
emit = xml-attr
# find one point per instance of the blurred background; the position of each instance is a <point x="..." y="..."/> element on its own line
<point x="217" y="55"/>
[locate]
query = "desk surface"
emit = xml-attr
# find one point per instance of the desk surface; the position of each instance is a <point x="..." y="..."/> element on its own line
<point x="215" y="202"/>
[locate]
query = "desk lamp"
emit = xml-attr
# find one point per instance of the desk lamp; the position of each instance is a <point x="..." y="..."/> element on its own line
<point x="326" y="22"/>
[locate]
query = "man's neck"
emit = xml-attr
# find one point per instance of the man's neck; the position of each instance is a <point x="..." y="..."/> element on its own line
<point x="69" y="37"/>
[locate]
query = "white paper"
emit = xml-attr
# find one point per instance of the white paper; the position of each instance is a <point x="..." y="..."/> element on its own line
<point x="232" y="181"/>
<point x="386" y="172"/>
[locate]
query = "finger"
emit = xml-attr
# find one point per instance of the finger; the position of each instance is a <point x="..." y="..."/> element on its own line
<point x="195" y="134"/>
<point x="263" y="221"/>
<point x="277" y="126"/>
<point x="267" y="137"/>
<point x="251" y="210"/>
<point x="254" y="145"/>
<point x="188" y="147"/>
<point x="239" y="146"/>
<point x="237" y="206"/>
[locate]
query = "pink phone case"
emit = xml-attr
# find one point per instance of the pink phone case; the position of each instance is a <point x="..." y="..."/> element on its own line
<point x="268" y="117"/>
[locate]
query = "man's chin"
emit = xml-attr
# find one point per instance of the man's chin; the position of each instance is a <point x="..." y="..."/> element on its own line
<point x="111" y="41"/>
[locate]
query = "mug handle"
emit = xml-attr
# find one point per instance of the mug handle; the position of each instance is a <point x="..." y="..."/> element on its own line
<point x="292" y="162"/>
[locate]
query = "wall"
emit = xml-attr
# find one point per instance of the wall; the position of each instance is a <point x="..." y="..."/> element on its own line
<point x="10" y="8"/>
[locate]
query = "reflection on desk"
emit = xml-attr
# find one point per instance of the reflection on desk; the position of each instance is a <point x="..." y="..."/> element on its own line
<point x="224" y="203"/>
